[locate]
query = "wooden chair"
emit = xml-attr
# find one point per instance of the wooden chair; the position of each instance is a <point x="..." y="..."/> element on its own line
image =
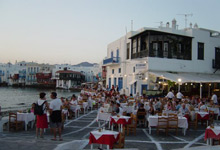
<point x="172" y="115"/>
<point x="14" y="123"/>
<point x="173" y="123"/>
<point x="133" y="124"/>
<point x="193" y="122"/>
<point x="159" y="114"/>
<point x="141" y="117"/>
<point x="121" y="141"/>
<point x="162" y="124"/>
<point x="211" y="117"/>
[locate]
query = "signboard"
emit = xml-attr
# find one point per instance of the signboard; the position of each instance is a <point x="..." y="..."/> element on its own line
<point x="141" y="66"/>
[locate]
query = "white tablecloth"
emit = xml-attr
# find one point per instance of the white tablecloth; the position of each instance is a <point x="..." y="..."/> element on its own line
<point x="26" y="117"/>
<point x="103" y="116"/>
<point x="216" y="110"/>
<point x="182" y="121"/>
<point x="203" y="114"/>
<point x="75" y="108"/>
<point x="85" y="105"/>
<point x="128" y="109"/>
<point x="123" y="104"/>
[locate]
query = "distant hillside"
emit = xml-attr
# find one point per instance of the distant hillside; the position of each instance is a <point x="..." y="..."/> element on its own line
<point x="86" y="64"/>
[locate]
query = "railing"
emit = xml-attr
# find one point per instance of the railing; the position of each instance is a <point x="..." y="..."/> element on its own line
<point x="141" y="54"/>
<point x="111" y="60"/>
<point x="216" y="64"/>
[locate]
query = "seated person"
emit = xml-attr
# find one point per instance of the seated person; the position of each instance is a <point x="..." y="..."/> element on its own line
<point x="73" y="100"/>
<point x="141" y="109"/>
<point x="151" y="109"/>
<point x="178" y="106"/>
<point x="168" y="106"/>
<point x="118" y="110"/>
<point x="183" y="109"/>
<point x="202" y="107"/>
<point x="157" y="105"/>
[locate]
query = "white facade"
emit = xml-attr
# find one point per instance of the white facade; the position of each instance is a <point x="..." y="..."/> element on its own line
<point x="89" y="72"/>
<point x="135" y="71"/>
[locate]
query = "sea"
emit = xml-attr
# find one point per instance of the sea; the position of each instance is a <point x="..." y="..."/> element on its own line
<point x="12" y="99"/>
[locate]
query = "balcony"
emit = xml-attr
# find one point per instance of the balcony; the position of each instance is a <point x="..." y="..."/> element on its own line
<point x="111" y="61"/>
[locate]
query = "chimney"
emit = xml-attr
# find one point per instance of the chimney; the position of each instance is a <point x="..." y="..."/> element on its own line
<point x="196" y="26"/>
<point x="174" y="23"/>
<point x="167" y="25"/>
<point x="190" y="25"/>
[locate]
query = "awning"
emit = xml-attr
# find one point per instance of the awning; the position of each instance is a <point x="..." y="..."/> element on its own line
<point x="187" y="77"/>
<point x="132" y="82"/>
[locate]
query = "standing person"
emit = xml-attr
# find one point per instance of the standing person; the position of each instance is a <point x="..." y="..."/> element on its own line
<point x="214" y="98"/>
<point x="42" y="119"/>
<point x="170" y="95"/>
<point x="55" y="115"/>
<point x="179" y="96"/>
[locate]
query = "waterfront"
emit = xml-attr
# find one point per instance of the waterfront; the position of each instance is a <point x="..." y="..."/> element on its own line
<point x="22" y="98"/>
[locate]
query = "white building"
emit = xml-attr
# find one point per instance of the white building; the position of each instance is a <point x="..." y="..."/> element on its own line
<point x="89" y="72"/>
<point x="33" y="68"/>
<point x="145" y="58"/>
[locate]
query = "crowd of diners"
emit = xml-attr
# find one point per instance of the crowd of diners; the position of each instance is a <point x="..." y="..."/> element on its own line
<point x="113" y="100"/>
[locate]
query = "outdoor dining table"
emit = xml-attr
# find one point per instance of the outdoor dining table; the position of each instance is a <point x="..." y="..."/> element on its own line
<point x="103" y="116"/>
<point x="203" y="116"/>
<point x="128" y="109"/>
<point x="182" y="122"/>
<point x="85" y="106"/>
<point x="121" y="120"/>
<point x="26" y="117"/>
<point x="216" y="111"/>
<point x="212" y="133"/>
<point x="106" y="137"/>
<point x="75" y="109"/>
<point x="123" y="104"/>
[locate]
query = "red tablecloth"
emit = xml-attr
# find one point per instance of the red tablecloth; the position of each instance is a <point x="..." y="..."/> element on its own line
<point x="210" y="134"/>
<point x="121" y="121"/>
<point x="206" y="117"/>
<point x="104" y="139"/>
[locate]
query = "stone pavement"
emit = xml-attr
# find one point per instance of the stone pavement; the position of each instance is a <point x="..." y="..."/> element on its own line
<point x="76" y="137"/>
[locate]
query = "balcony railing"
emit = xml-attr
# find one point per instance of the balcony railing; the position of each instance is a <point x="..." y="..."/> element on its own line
<point x="216" y="64"/>
<point x="113" y="60"/>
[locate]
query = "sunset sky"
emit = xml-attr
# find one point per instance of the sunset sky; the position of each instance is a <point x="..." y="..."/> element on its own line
<point x="72" y="31"/>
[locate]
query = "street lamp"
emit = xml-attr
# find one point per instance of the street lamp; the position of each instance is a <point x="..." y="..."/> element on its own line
<point x="179" y="81"/>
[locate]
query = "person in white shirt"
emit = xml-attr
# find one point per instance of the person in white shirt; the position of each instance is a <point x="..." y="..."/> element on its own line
<point x="170" y="95"/>
<point x="55" y="115"/>
<point x="183" y="109"/>
<point x="214" y="98"/>
<point x="73" y="100"/>
<point x="202" y="107"/>
<point x="179" y="96"/>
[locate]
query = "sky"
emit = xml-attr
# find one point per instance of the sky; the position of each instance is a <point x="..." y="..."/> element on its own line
<point x="74" y="31"/>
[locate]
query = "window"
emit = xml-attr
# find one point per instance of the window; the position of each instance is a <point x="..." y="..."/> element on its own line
<point x="139" y="44"/>
<point x="113" y="71"/>
<point x="128" y="50"/>
<point x="200" y="51"/>
<point x="165" y="50"/>
<point x="119" y="70"/>
<point x="134" y="46"/>
<point x="155" y="48"/>
<point x="133" y="69"/>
